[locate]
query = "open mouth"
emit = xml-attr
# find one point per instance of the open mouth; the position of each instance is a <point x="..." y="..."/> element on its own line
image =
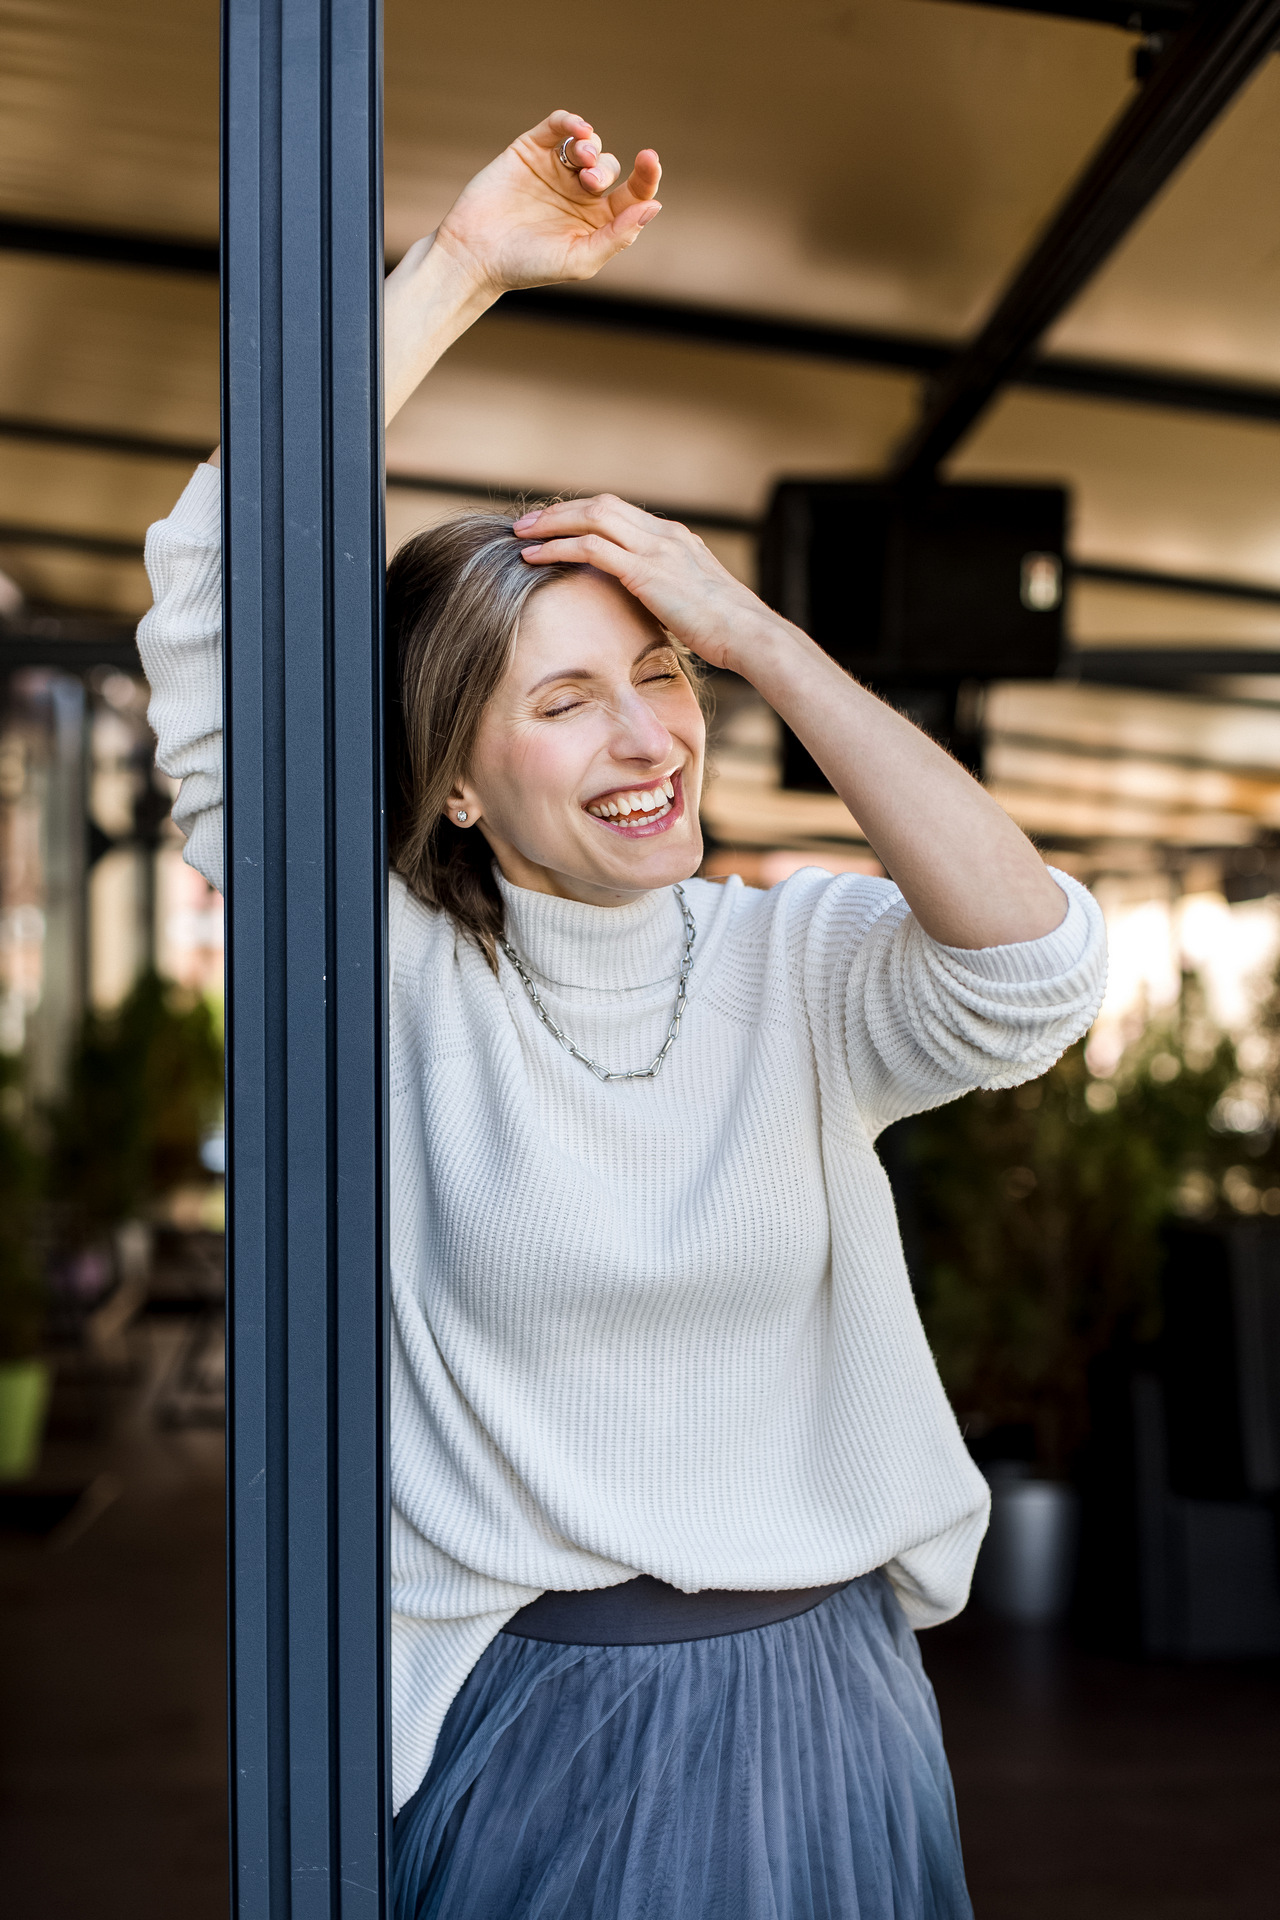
<point x="638" y="810"/>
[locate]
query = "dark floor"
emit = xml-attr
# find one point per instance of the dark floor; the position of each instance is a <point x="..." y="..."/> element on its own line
<point x="1088" y="1788"/>
<point x="1098" y="1789"/>
<point x="112" y="1714"/>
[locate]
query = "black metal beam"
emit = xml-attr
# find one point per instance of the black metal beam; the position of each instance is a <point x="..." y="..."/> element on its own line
<point x="58" y="240"/>
<point x="727" y="327"/>
<point x="69" y="540"/>
<point x="1203" y="70"/>
<point x="83" y="439"/>
<point x="22" y="649"/>
<point x="1120" y="381"/>
<point x="1171" y="667"/>
<point x="1213" y="586"/>
<point x="306" y="957"/>
<point x="1134" y="16"/>
<point x="1130" y="385"/>
<point x="711" y="519"/>
<point x="43" y="635"/>
<point x="686" y="321"/>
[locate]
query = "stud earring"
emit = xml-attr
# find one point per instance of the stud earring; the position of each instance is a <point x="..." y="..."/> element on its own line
<point x="462" y="817"/>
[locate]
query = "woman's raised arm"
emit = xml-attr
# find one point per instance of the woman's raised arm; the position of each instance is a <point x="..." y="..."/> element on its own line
<point x="970" y="876"/>
<point x="530" y="219"/>
<point x="551" y="207"/>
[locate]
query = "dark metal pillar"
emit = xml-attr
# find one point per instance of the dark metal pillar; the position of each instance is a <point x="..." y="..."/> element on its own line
<point x="302" y="515"/>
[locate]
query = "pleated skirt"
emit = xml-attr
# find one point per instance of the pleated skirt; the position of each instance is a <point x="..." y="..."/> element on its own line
<point x="790" y="1772"/>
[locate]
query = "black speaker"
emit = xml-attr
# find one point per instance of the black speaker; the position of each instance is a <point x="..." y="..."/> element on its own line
<point x="922" y="585"/>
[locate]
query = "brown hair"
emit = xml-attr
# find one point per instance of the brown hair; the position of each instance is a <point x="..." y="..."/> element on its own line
<point x="455" y="594"/>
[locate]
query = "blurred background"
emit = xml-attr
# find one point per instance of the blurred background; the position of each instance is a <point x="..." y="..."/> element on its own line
<point x="850" y="189"/>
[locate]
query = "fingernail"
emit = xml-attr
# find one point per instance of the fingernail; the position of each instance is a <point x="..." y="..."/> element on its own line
<point x="535" y="548"/>
<point x="651" y="212"/>
<point x="525" y="520"/>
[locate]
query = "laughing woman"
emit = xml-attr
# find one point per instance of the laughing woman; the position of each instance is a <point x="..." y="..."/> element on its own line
<point x="674" y="1478"/>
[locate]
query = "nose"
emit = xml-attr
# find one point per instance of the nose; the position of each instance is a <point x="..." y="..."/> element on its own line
<point x="638" y="734"/>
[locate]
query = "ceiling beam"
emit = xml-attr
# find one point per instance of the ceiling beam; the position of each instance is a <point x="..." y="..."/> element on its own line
<point x="104" y="246"/>
<point x="729" y="327"/>
<point x="1113" y="380"/>
<point x="22" y="649"/>
<point x="107" y="546"/>
<point x="1213" y="586"/>
<point x="710" y="519"/>
<point x="706" y="517"/>
<point x="81" y="439"/>
<point x="1134" y="16"/>
<point x="1204" y="68"/>
<point x="42" y="635"/>
<point x="1174" y="668"/>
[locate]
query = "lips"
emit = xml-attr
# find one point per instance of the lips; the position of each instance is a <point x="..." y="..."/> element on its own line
<point x="636" y="811"/>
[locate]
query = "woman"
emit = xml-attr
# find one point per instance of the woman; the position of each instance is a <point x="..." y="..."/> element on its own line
<point x="674" y="1477"/>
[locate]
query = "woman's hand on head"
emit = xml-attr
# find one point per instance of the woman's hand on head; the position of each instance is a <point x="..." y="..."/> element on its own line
<point x="531" y="219"/>
<point x="668" y="569"/>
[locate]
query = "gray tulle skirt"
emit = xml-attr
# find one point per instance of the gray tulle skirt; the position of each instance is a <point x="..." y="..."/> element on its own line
<point x="792" y="1772"/>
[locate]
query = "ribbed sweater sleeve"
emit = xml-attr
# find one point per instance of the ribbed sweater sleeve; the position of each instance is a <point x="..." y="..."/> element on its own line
<point x="180" y="641"/>
<point x="917" y="1023"/>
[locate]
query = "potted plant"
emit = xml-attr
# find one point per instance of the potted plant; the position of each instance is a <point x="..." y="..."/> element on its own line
<point x="144" y="1085"/>
<point x="1041" y="1210"/>
<point x="24" y="1373"/>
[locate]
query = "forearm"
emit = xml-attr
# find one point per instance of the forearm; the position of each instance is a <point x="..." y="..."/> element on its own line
<point x="971" y="877"/>
<point x="430" y="300"/>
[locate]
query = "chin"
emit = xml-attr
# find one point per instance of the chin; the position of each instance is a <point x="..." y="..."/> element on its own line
<point x="659" y="869"/>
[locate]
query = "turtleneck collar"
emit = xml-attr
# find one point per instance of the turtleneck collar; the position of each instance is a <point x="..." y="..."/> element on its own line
<point x="568" y="944"/>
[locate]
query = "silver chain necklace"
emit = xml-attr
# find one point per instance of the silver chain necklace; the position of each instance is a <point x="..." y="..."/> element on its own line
<point x="654" y="1068"/>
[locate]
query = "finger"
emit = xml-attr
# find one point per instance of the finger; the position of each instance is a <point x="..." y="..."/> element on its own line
<point x="580" y="154"/>
<point x="603" y="513"/>
<point x="594" y="250"/>
<point x="600" y="172"/>
<point x="557" y="128"/>
<point x="645" y="175"/>
<point x="642" y="183"/>
<point x="586" y="550"/>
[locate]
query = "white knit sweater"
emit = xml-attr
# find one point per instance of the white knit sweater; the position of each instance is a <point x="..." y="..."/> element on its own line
<point x="660" y="1327"/>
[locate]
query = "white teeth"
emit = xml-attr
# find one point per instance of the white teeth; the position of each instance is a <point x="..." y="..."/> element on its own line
<point x="657" y="802"/>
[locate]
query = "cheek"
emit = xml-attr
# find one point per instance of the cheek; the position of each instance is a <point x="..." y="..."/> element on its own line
<point x="684" y="720"/>
<point x="533" y="772"/>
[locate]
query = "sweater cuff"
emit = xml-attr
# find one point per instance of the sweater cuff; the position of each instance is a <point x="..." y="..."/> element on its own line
<point x="199" y="510"/>
<point x="1052" y="955"/>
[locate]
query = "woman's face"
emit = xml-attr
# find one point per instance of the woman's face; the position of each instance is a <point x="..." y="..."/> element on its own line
<point x="587" y="768"/>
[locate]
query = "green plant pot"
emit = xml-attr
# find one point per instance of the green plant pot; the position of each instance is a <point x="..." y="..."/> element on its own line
<point x="24" y="1401"/>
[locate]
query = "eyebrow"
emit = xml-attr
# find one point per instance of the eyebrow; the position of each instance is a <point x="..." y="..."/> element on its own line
<point x="585" y="673"/>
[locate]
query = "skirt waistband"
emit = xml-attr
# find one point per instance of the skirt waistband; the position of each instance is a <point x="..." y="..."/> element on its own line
<point x="645" y="1612"/>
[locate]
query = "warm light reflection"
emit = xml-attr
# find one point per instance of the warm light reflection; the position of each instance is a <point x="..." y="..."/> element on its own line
<point x="1153" y="940"/>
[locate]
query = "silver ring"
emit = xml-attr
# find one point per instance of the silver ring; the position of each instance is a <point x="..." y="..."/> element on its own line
<point x="563" y="155"/>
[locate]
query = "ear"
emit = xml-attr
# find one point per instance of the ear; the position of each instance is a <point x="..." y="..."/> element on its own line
<point x="462" y="801"/>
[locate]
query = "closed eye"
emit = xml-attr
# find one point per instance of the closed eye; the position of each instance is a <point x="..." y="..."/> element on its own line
<point x="554" y="713"/>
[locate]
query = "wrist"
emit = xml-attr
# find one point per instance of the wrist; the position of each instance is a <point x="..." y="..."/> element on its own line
<point x="436" y="281"/>
<point x="763" y="648"/>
